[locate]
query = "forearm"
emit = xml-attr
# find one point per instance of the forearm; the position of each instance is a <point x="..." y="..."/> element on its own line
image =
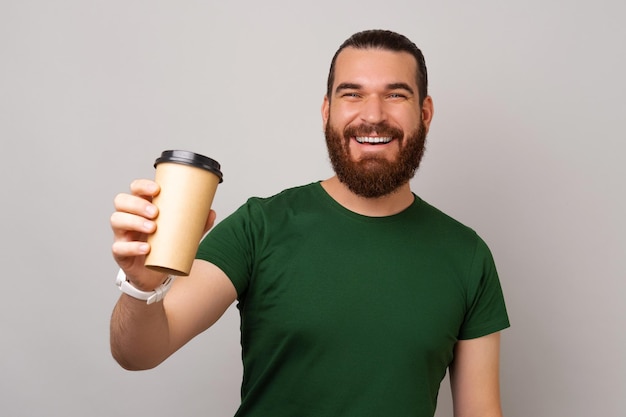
<point x="139" y="335"/>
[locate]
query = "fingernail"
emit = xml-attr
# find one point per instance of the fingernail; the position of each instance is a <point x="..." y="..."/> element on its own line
<point x="143" y="248"/>
<point x="151" y="186"/>
<point x="151" y="210"/>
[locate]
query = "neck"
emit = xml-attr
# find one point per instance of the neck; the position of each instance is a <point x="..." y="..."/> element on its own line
<point x="383" y="206"/>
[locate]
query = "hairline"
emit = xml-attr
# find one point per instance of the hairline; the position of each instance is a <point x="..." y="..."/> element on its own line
<point x="387" y="41"/>
<point x="393" y="86"/>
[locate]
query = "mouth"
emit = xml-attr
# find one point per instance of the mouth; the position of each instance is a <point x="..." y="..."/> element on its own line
<point x="373" y="140"/>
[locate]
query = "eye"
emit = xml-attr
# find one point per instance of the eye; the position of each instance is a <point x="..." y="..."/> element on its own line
<point x="397" y="96"/>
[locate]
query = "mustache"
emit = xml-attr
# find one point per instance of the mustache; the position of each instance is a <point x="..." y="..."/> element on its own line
<point x="367" y="129"/>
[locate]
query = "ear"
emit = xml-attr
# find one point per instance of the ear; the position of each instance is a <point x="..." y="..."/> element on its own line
<point x="325" y="111"/>
<point x="428" y="112"/>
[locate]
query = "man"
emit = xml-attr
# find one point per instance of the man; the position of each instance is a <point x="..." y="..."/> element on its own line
<point x="355" y="295"/>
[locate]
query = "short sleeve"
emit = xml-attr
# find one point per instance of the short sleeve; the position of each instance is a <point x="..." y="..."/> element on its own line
<point x="486" y="309"/>
<point x="230" y="245"/>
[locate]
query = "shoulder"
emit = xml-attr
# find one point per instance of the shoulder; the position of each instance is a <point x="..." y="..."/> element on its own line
<point x="442" y="223"/>
<point x="288" y="195"/>
<point x="450" y="237"/>
<point x="290" y="200"/>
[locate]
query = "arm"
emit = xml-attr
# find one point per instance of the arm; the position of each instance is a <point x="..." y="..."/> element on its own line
<point x="474" y="377"/>
<point x="142" y="335"/>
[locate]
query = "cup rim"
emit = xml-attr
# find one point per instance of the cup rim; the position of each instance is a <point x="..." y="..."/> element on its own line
<point x="190" y="158"/>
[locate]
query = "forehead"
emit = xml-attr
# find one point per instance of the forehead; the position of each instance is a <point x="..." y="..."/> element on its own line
<point x="373" y="67"/>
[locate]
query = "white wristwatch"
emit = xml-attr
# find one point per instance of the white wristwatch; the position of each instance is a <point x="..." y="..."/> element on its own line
<point x="148" y="296"/>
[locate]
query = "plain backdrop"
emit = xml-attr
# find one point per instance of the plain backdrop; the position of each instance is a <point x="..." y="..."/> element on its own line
<point x="527" y="147"/>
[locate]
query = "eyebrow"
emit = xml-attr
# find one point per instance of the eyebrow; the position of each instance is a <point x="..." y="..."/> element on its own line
<point x="347" y="86"/>
<point x="392" y="86"/>
<point x="400" y="86"/>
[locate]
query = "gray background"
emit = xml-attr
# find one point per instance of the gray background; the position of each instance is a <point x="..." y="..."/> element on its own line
<point x="527" y="147"/>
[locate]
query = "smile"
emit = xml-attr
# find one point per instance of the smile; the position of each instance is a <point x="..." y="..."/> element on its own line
<point x="373" y="139"/>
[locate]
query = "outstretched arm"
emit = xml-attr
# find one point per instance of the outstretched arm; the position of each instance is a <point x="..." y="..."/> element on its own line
<point x="143" y="335"/>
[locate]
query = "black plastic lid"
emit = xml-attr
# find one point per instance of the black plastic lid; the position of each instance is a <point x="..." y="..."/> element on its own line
<point x="191" y="158"/>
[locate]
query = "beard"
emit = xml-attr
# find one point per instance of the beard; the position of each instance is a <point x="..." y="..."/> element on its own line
<point x="372" y="176"/>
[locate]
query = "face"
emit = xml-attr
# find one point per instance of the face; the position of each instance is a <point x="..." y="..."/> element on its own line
<point x="375" y="128"/>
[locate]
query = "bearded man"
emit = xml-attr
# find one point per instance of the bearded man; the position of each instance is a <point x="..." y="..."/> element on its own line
<point x="355" y="295"/>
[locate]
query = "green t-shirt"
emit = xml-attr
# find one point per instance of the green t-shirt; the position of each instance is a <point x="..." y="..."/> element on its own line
<point x="349" y="315"/>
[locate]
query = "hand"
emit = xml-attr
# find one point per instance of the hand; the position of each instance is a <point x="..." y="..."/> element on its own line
<point x="132" y="222"/>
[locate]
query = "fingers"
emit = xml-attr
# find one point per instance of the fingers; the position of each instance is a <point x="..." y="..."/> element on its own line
<point x="130" y="232"/>
<point x="128" y="225"/>
<point x="144" y="188"/>
<point x="138" y="204"/>
<point x="132" y="223"/>
<point x="139" y="201"/>
<point x="123" y="249"/>
<point x="134" y="214"/>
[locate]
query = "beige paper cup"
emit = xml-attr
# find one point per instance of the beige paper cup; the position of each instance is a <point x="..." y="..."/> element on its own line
<point x="188" y="183"/>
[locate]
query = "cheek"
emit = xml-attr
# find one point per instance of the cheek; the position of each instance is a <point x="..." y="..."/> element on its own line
<point x="342" y="115"/>
<point x="410" y="123"/>
<point x="406" y="112"/>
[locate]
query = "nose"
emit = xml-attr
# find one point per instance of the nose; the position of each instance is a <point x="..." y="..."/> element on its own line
<point x="373" y="110"/>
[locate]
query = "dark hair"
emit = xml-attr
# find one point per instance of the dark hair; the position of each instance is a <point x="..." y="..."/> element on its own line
<point x="387" y="40"/>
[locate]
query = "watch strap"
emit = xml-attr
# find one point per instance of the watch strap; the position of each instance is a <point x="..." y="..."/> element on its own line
<point x="149" y="297"/>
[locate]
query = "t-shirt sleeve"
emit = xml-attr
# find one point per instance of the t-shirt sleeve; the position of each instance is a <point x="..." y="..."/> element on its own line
<point x="486" y="311"/>
<point x="230" y="246"/>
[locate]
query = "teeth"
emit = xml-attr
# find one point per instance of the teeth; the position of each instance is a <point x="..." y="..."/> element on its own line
<point x="375" y="139"/>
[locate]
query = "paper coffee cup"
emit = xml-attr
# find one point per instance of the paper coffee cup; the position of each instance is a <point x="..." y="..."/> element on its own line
<point x="188" y="183"/>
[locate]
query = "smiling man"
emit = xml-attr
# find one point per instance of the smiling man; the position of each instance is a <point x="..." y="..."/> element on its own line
<point x="355" y="295"/>
<point x="375" y="120"/>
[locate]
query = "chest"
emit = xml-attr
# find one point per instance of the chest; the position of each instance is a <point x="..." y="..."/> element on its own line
<point x="389" y="290"/>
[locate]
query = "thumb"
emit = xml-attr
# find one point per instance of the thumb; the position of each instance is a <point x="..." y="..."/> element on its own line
<point x="210" y="221"/>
